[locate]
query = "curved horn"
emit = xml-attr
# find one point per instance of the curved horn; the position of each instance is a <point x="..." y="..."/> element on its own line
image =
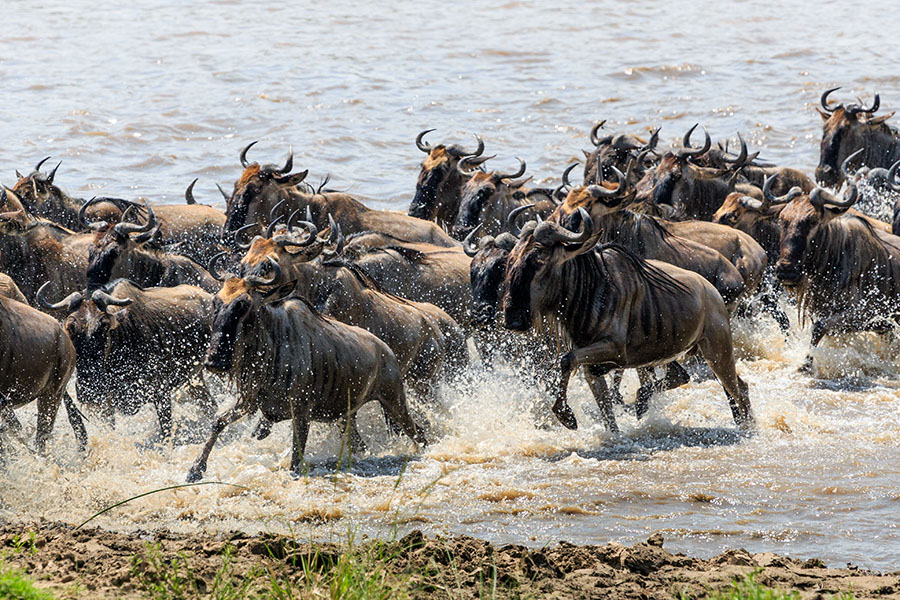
<point x="511" y="218"/>
<point x="272" y="224"/>
<point x="892" y="177"/>
<point x="742" y="157"/>
<point x="594" y="139"/>
<point x="103" y="300"/>
<point x="686" y="142"/>
<point x="480" y="149"/>
<point x="41" y="162"/>
<point x="821" y="198"/>
<point x="845" y="166"/>
<point x="53" y="173"/>
<point x="752" y="203"/>
<point x="423" y="146"/>
<point x="854" y="110"/>
<point x="549" y="233"/>
<point x="81" y="213"/>
<point x="276" y="278"/>
<point x="125" y="229"/>
<point x="654" y="139"/>
<point x="244" y="162"/>
<point x="518" y="173"/>
<point x="598" y="191"/>
<point x="212" y="268"/>
<point x="565" y="175"/>
<point x="70" y="302"/>
<point x="467" y="162"/>
<point x="189" y="192"/>
<point x="275" y="208"/>
<point x="470" y="248"/>
<point x="289" y="240"/>
<point x="771" y="198"/>
<point x="288" y="164"/>
<point x="824" y="100"/>
<point x="236" y="236"/>
<point x="224" y="193"/>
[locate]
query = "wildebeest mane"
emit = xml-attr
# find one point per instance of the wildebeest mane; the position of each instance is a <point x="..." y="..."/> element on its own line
<point x="848" y="267"/>
<point x="363" y="278"/>
<point x="651" y="275"/>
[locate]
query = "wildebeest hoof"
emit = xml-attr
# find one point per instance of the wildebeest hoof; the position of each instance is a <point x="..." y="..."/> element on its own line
<point x="263" y="429"/>
<point x="195" y="474"/>
<point x="565" y="415"/>
<point x="806" y="367"/>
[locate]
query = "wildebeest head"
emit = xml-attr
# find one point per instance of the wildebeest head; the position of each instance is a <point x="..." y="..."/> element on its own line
<point x="258" y="190"/>
<point x="112" y="254"/>
<point x="800" y="220"/>
<point x="531" y="264"/>
<point x="847" y="129"/>
<point x="485" y="197"/>
<point x="614" y="151"/>
<point x="438" y="174"/>
<point x="234" y="307"/>
<point x="487" y="271"/>
<point x="37" y="192"/>
<point x="597" y="200"/>
<point x="91" y="318"/>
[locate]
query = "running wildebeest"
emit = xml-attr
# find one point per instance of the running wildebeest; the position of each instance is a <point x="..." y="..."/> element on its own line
<point x="291" y="362"/>
<point x="137" y="346"/>
<point x="616" y="311"/>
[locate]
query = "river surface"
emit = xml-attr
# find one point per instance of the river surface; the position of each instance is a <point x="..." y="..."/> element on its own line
<point x="137" y="102"/>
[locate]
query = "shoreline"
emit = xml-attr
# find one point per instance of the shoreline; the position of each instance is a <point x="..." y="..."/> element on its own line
<point x="94" y="563"/>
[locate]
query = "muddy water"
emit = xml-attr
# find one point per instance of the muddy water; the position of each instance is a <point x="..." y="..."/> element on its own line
<point x="137" y="102"/>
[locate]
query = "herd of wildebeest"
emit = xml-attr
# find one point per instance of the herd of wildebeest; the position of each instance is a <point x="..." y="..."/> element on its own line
<point x="312" y="304"/>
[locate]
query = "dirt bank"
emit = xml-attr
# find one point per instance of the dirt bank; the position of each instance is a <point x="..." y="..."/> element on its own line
<point x="99" y="564"/>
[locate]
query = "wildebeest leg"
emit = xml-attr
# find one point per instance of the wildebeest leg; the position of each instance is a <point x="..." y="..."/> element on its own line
<point x="350" y="429"/>
<point x="840" y="323"/>
<point x="76" y="421"/>
<point x="594" y="375"/>
<point x="8" y="415"/>
<point x="561" y="407"/>
<point x="770" y="303"/>
<point x="716" y="348"/>
<point x="616" y="383"/>
<point x="300" y="433"/>
<point x="47" y="406"/>
<point x="396" y="408"/>
<point x="675" y="376"/>
<point x="241" y="409"/>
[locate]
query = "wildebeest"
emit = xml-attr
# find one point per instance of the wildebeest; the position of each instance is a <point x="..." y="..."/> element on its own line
<point x="744" y="164"/>
<point x="291" y="362"/>
<point x="416" y="271"/>
<point x="614" y="151"/>
<point x="127" y="251"/>
<point x="616" y="311"/>
<point x="42" y="198"/>
<point x="850" y="128"/>
<point x="33" y="251"/>
<point x="647" y="237"/>
<point x="137" y="346"/>
<point x="680" y="190"/>
<point x="9" y="289"/>
<point x="846" y="273"/>
<point x="262" y="187"/>
<point x="425" y="340"/>
<point x="488" y="198"/>
<point x="439" y="186"/>
<point x="36" y="363"/>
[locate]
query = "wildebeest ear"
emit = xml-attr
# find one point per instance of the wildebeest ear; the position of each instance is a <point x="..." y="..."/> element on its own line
<point x="825" y="116"/>
<point x="880" y="120"/>
<point x="114" y="317"/>
<point x="281" y="292"/>
<point x="295" y="178"/>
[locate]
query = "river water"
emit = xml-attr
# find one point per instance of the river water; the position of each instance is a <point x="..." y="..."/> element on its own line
<point x="137" y="102"/>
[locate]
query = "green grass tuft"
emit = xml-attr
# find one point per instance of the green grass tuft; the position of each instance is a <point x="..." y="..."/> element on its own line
<point x="14" y="585"/>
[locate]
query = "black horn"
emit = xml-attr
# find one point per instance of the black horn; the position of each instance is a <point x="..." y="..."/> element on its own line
<point x="594" y="139"/>
<point x="70" y="302"/>
<point x="423" y="146"/>
<point x="824" y="100"/>
<point x="213" y="269"/>
<point x="771" y="198"/>
<point x="189" y="192"/>
<point x="821" y="197"/>
<point x="470" y="248"/>
<point x="41" y="162"/>
<point x="244" y="162"/>
<point x="511" y="218"/>
<point x="518" y="173"/>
